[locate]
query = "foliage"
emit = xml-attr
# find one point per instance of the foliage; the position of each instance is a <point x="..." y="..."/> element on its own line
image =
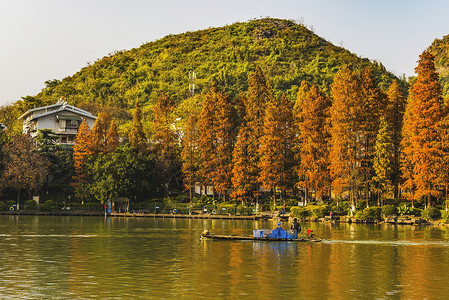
<point x="300" y="212"/>
<point x="424" y="111"/>
<point x="23" y="166"/>
<point x="440" y="49"/>
<point x="30" y="205"/>
<point x="136" y="136"/>
<point x="395" y="109"/>
<point x="389" y="210"/>
<point x="216" y="140"/>
<point x="121" y="174"/>
<point x="319" y="211"/>
<point x="311" y="114"/>
<point x="369" y="213"/>
<point x="383" y="167"/>
<point x="404" y="209"/>
<point x="275" y="149"/>
<point x="431" y="213"/>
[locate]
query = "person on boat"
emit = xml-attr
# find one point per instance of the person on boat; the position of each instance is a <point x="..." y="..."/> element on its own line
<point x="296" y="227"/>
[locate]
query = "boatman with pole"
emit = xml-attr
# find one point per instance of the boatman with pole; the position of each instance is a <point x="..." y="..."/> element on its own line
<point x="296" y="227"/>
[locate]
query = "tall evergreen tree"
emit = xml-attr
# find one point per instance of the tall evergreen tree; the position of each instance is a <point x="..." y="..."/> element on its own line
<point x="395" y="113"/>
<point x="165" y="142"/>
<point x="136" y="136"/>
<point x="189" y="153"/>
<point x="421" y="133"/>
<point x="383" y="160"/>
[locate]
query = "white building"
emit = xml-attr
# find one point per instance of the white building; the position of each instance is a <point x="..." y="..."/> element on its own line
<point x="62" y="118"/>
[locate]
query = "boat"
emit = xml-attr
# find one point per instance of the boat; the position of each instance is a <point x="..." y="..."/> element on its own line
<point x="310" y="237"/>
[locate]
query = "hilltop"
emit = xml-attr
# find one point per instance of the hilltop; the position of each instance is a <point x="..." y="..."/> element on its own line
<point x="440" y="49"/>
<point x="286" y="51"/>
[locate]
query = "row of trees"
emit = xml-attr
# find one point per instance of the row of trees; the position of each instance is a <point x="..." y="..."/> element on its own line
<point x="350" y="144"/>
<point x="353" y="144"/>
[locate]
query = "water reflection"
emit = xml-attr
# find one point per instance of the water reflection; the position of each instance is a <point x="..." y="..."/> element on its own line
<point x="74" y="257"/>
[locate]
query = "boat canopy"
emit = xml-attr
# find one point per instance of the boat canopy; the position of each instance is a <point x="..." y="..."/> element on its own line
<point x="280" y="233"/>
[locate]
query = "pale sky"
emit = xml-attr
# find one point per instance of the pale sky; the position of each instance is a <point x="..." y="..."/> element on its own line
<point x="42" y="40"/>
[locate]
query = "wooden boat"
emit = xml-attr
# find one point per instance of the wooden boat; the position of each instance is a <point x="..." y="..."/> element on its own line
<point x="206" y="235"/>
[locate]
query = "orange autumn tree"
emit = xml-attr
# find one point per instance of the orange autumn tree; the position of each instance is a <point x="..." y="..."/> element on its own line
<point x="216" y="141"/>
<point x="372" y="107"/>
<point x="112" y="138"/>
<point x="395" y="109"/>
<point x="276" y="154"/>
<point x="81" y="152"/>
<point x="242" y="181"/>
<point x="312" y="136"/>
<point x="99" y="132"/>
<point x="421" y="138"/>
<point x="345" y="134"/>
<point x="258" y="95"/>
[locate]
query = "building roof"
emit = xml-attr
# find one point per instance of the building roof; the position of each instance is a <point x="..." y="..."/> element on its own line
<point x="56" y="108"/>
<point x="2" y="126"/>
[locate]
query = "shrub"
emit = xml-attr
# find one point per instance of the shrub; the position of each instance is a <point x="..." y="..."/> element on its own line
<point x="431" y="213"/>
<point x="30" y="204"/>
<point x="224" y="209"/>
<point x="404" y="209"/>
<point x="339" y="210"/>
<point x="369" y="213"/>
<point x="299" y="212"/>
<point x="388" y="210"/>
<point x="3" y="206"/>
<point x="319" y="211"/>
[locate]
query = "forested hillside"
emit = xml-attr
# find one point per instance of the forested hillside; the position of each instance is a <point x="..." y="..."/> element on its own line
<point x="287" y="53"/>
<point x="440" y="49"/>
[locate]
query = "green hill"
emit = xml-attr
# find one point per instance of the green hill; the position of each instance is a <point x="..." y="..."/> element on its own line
<point x="440" y="49"/>
<point x="286" y="51"/>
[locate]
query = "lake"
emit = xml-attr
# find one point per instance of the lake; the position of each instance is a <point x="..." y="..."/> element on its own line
<point x="130" y="258"/>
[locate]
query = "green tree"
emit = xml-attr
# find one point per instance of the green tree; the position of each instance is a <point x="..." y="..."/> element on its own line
<point x="122" y="173"/>
<point x="395" y="114"/>
<point x="166" y="143"/>
<point x="383" y="160"/>
<point x="136" y="136"/>
<point x="189" y="154"/>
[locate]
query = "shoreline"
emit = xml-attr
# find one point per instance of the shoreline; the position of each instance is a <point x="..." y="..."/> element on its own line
<point x="404" y="220"/>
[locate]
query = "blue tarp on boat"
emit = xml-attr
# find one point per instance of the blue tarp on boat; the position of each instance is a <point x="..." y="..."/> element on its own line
<point x="280" y="233"/>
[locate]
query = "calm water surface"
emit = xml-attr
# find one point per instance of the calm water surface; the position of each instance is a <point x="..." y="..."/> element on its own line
<point x="132" y="258"/>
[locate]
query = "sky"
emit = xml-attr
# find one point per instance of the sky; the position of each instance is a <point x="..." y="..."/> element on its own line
<point x="43" y="40"/>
